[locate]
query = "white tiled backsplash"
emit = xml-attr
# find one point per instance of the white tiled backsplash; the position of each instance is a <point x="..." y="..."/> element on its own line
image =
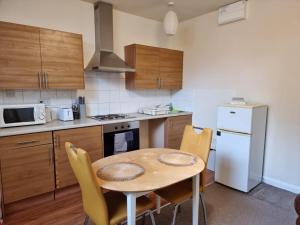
<point x="203" y="103"/>
<point x="105" y="93"/>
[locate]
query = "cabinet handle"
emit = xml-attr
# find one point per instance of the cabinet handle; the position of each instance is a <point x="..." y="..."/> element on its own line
<point x="39" y="79"/>
<point x="158" y="82"/>
<point x="50" y="156"/>
<point x="46" y="80"/>
<point x="56" y="141"/>
<point x="42" y="80"/>
<point x="27" y="142"/>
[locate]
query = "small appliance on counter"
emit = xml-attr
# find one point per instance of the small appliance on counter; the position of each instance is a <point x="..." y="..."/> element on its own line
<point x="22" y="115"/>
<point x="65" y="114"/>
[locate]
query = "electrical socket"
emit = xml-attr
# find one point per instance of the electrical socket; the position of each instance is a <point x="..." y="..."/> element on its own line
<point x="10" y="93"/>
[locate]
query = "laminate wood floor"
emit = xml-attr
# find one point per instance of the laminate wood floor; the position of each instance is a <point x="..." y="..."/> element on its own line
<point x="66" y="209"/>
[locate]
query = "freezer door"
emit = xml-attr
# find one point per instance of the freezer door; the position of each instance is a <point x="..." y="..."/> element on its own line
<point x="235" y="119"/>
<point x="232" y="160"/>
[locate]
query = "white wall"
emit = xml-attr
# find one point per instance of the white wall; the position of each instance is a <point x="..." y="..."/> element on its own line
<point x="105" y="93"/>
<point x="258" y="59"/>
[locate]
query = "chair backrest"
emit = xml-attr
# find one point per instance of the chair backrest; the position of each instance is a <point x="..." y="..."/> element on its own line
<point x="297" y="208"/>
<point x="94" y="203"/>
<point x="198" y="144"/>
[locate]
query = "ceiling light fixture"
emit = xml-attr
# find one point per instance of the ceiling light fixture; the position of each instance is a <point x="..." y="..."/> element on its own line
<point x="171" y="21"/>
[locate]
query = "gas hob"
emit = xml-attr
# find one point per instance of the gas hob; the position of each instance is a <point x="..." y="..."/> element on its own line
<point x="111" y="117"/>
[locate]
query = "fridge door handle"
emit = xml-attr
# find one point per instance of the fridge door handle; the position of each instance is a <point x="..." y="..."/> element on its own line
<point x="231" y="132"/>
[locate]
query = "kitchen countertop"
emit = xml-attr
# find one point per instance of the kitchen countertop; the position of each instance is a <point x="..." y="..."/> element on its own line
<point x="87" y="122"/>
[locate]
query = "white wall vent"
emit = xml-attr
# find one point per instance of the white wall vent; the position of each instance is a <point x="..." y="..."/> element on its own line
<point x="233" y="12"/>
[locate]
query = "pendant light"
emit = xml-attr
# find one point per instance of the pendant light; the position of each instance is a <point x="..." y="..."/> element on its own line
<point x="171" y="21"/>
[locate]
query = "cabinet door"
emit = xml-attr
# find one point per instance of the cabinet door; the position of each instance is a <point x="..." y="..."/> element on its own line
<point x="145" y="60"/>
<point x="20" y="56"/>
<point x="88" y="138"/>
<point x="174" y="128"/>
<point x="27" y="172"/>
<point x="62" y="59"/>
<point x="171" y="66"/>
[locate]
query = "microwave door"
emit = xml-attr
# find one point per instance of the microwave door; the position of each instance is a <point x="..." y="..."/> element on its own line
<point x="18" y="116"/>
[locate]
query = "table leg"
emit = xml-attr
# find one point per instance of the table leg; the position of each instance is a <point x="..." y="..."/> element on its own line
<point x="196" y="199"/>
<point x="158" y="204"/>
<point x="131" y="208"/>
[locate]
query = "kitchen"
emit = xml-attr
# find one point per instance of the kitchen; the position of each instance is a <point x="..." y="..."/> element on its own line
<point x="115" y="93"/>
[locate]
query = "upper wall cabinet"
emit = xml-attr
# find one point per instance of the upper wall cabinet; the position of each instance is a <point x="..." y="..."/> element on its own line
<point x="20" y="56"/>
<point x="171" y="66"/>
<point x="62" y="59"/>
<point x="36" y="58"/>
<point x="156" y="68"/>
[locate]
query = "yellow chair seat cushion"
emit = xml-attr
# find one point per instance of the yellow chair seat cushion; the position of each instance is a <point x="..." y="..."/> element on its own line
<point x="177" y="193"/>
<point x="117" y="206"/>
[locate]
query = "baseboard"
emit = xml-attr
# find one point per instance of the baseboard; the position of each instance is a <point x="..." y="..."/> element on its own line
<point x="282" y="185"/>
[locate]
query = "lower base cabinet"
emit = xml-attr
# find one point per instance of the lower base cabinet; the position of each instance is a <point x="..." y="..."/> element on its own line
<point x="34" y="164"/>
<point x="27" y="167"/>
<point x="174" y="128"/>
<point x="89" y="139"/>
<point x="168" y="133"/>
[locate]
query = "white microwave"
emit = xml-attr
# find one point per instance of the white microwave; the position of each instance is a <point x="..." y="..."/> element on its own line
<point x="22" y="115"/>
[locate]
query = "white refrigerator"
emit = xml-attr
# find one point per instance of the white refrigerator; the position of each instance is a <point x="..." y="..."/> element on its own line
<point x="240" y="145"/>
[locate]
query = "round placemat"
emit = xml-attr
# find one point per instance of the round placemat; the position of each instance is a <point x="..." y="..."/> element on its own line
<point x="177" y="159"/>
<point x="122" y="171"/>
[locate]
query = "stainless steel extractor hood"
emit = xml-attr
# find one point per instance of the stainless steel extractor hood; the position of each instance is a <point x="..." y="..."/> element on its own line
<point x="104" y="59"/>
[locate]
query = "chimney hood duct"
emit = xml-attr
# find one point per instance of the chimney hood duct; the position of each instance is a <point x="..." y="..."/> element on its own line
<point x="104" y="59"/>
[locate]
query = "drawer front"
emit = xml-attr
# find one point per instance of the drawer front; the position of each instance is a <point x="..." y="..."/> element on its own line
<point x="26" y="140"/>
<point x="235" y="119"/>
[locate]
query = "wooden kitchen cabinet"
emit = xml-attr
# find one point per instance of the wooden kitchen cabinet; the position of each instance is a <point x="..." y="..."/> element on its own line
<point x="173" y="130"/>
<point x="171" y="68"/>
<point x="27" y="166"/>
<point x="62" y="59"/>
<point x="37" y="58"/>
<point x="20" y="57"/>
<point x="88" y="138"/>
<point x="156" y="68"/>
<point x="145" y="60"/>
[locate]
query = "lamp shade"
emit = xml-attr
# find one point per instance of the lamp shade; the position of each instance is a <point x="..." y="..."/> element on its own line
<point x="171" y="23"/>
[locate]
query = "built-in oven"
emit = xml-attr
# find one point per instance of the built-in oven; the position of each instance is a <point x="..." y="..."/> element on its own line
<point x="121" y="137"/>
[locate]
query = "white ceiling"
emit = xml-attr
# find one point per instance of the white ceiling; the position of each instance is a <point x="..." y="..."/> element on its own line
<point x="156" y="9"/>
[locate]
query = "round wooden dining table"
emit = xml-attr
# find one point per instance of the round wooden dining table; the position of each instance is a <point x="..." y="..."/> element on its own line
<point x="156" y="175"/>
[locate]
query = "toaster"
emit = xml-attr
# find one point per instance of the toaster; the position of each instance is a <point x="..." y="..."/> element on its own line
<point x="65" y="114"/>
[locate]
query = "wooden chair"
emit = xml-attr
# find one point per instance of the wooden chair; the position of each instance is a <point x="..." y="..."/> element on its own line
<point x="103" y="209"/>
<point x="297" y="208"/>
<point x="198" y="144"/>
